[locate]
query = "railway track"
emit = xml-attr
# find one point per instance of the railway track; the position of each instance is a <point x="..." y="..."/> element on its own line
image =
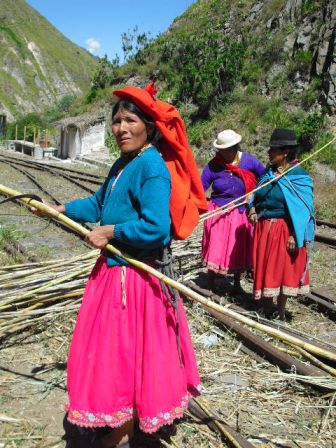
<point x="74" y="176"/>
<point x="262" y="349"/>
<point x="325" y="301"/>
<point x="82" y="180"/>
<point x="54" y="172"/>
<point x="27" y="168"/>
<point x="90" y="177"/>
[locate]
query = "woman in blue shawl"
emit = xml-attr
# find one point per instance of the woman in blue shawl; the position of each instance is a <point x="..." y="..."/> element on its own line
<point x="283" y="213"/>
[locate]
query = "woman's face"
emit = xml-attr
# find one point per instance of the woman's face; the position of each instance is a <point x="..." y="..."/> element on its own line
<point x="129" y="131"/>
<point x="229" y="154"/>
<point x="277" y="156"/>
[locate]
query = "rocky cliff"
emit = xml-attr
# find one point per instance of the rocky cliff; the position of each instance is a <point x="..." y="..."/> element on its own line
<point x="38" y="65"/>
<point x="308" y="28"/>
<point x="292" y="41"/>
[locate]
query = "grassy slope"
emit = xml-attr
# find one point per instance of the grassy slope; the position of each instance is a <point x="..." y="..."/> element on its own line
<point x="264" y="94"/>
<point x="65" y="67"/>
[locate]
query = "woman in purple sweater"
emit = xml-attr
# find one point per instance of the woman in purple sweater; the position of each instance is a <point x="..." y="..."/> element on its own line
<point x="227" y="238"/>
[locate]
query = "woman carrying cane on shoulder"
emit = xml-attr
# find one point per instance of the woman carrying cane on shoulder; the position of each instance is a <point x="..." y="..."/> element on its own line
<point x="283" y="213"/>
<point x="227" y="238"/>
<point x="131" y="358"/>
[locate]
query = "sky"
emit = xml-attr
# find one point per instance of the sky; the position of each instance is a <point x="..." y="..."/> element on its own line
<point x="98" y="24"/>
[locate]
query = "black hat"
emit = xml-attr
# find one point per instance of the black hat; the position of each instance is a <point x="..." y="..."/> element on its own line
<point x="282" y="137"/>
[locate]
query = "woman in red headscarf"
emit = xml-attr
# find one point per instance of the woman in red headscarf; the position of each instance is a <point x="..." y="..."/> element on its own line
<point x="131" y="356"/>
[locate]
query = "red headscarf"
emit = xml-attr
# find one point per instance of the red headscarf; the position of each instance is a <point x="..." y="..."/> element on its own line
<point x="249" y="179"/>
<point x="187" y="197"/>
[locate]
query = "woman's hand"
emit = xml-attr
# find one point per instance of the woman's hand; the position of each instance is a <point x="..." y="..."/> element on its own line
<point x="291" y="245"/>
<point x="252" y="216"/>
<point x="43" y="214"/>
<point x="100" y="236"/>
<point x="248" y="197"/>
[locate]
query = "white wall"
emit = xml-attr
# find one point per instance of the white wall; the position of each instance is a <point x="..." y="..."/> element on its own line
<point x="93" y="138"/>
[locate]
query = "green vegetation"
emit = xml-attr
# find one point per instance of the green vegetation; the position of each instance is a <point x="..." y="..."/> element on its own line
<point x="328" y="155"/>
<point x="30" y="122"/>
<point x="202" y="68"/>
<point x="221" y="68"/>
<point x="8" y="234"/>
<point x="111" y="144"/>
<point x="310" y="6"/>
<point x="30" y="126"/>
<point x="13" y="36"/>
<point x="301" y="62"/>
<point x="36" y="60"/>
<point x="273" y="8"/>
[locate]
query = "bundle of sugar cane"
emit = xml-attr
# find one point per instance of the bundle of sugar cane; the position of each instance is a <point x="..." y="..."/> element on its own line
<point x="30" y="293"/>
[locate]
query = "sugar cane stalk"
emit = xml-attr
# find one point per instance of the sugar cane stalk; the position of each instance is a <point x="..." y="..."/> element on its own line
<point x="289" y="339"/>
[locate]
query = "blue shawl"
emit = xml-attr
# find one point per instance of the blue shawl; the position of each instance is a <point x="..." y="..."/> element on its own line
<point x="297" y="188"/>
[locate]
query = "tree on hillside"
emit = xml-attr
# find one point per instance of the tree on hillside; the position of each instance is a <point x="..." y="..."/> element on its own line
<point x="134" y="44"/>
<point x="103" y="76"/>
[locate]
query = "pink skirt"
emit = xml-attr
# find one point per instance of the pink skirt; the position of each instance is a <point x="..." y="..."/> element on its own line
<point x="124" y="362"/>
<point x="227" y="245"/>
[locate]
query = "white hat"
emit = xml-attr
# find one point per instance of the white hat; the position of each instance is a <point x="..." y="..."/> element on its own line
<point x="226" y="139"/>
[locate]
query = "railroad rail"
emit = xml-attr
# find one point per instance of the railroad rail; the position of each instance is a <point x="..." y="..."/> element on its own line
<point x="75" y="174"/>
<point x="324" y="301"/>
<point x="53" y="171"/>
<point x="320" y="222"/>
<point x="34" y="180"/>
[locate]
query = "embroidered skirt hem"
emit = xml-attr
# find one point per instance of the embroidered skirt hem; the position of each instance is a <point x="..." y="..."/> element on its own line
<point x="284" y="290"/>
<point x="88" y="419"/>
<point x="219" y="270"/>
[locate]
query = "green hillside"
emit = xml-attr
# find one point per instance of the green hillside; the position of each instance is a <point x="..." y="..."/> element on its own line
<point x="38" y="65"/>
<point x="242" y="64"/>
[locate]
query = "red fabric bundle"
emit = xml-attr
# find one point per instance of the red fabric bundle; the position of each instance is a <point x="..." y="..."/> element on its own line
<point x="246" y="176"/>
<point x="187" y="196"/>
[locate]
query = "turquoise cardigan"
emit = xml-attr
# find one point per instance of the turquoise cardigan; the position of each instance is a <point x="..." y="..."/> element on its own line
<point x="298" y="192"/>
<point x="138" y="206"/>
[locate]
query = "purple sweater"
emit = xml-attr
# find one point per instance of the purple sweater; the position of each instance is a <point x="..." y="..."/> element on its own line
<point x="225" y="186"/>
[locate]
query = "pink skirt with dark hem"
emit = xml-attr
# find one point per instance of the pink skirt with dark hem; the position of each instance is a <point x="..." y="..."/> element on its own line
<point x="227" y="245"/>
<point x="123" y="361"/>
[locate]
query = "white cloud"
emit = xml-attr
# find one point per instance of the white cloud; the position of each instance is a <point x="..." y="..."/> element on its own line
<point x="93" y="45"/>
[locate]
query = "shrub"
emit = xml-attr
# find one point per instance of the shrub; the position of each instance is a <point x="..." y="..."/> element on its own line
<point x="58" y="111"/>
<point x="200" y="132"/>
<point x="104" y="76"/>
<point x="252" y="72"/>
<point x="310" y="96"/>
<point x="301" y="62"/>
<point x="201" y="68"/>
<point x="111" y="144"/>
<point x="30" y="121"/>
<point x="327" y="155"/>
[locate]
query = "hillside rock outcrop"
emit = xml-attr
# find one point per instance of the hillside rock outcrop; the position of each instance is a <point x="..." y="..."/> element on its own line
<point x="309" y="30"/>
<point x="38" y="65"/>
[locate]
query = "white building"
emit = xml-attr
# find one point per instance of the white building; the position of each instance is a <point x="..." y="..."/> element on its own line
<point x="82" y="135"/>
